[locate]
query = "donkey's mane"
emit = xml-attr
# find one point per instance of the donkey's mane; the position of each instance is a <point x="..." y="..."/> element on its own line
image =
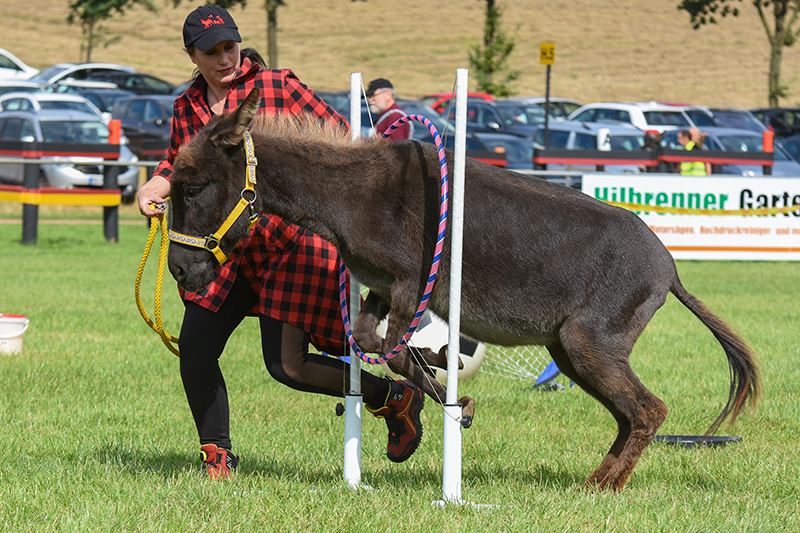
<point x="302" y="129"/>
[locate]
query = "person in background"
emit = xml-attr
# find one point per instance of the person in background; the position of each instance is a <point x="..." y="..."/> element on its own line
<point x="382" y="101"/>
<point x="285" y="274"/>
<point x="692" y="168"/>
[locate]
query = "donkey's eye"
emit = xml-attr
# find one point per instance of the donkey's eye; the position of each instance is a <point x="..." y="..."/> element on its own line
<point x="191" y="192"/>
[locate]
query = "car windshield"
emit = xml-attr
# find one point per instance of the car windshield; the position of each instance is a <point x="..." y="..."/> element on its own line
<point x="741" y="143"/>
<point x="521" y="115"/>
<point x="743" y="121"/>
<point x="665" y="118"/>
<point x="555" y="138"/>
<point x="48" y="73"/>
<point x="517" y="151"/>
<point x="420" y="131"/>
<point x="700" y="118"/>
<point x="471" y="144"/>
<point x="5" y="89"/>
<point x="745" y="143"/>
<point x="105" y="103"/>
<point x="793" y="147"/>
<point x="74" y="131"/>
<point x="60" y="104"/>
<point x="629" y="143"/>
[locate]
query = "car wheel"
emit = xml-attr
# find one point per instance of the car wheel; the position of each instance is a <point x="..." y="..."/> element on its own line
<point x="42" y="179"/>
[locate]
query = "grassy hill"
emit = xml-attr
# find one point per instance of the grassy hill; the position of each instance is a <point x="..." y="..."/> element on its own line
<point x="620" y="50"/>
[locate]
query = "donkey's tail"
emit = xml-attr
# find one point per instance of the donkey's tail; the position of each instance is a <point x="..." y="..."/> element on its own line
<point x="744" y="374"/>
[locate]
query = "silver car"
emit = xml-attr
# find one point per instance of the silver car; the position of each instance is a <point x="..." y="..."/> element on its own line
<point x="592" y="136"/>
<point x="65" y="126"/>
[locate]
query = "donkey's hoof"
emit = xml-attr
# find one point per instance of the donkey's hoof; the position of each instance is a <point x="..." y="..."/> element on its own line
<point x="467" y="411"/>
<point x="443" y="357"/>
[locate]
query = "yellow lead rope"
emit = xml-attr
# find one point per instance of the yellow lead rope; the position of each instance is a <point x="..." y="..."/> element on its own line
<point x="210" y="243"/>
<point x="169" y="341"/>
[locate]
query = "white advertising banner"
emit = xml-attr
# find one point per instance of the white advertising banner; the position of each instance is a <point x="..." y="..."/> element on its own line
<point x="729" y="217"/>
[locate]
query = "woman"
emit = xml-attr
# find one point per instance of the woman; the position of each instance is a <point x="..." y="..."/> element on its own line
<point x="262" y="273"/>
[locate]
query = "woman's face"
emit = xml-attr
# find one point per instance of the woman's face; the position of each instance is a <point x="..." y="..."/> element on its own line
<point x="218" y="65"/>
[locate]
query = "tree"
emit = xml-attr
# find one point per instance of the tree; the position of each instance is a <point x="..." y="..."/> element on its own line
<point x="490" y="60"/>
<point x="91" y="12"/>
<point x="272" y="30"/>
<point x="784" y="14"/>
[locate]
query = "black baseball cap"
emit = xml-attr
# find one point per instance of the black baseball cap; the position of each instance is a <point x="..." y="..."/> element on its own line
<point x="380" y="83"/>
<point x="207" y="26"/>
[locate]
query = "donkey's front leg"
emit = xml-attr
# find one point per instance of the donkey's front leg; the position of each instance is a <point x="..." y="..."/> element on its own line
<point x="401" y="313"/>
<point x="365" y="327"/>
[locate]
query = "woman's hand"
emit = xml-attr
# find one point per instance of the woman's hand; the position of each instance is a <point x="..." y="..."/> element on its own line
<point x="152" y="197"/>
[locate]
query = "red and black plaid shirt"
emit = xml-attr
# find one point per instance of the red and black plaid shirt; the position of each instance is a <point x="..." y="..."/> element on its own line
<point x="294" y="271"/>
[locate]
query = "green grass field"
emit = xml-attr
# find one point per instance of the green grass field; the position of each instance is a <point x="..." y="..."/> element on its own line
<point x="97" y="435"/>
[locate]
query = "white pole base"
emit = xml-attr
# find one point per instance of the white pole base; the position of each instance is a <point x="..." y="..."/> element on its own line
<point x="451" y="471"/>
<point x="353" y="409"/>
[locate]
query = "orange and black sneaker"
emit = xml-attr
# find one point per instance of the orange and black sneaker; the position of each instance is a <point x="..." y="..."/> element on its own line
<point x="218" y="463"/>
<point x="402" y="409"/>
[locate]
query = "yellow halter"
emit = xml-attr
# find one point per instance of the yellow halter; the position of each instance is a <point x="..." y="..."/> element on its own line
<point x="211" y="242"/>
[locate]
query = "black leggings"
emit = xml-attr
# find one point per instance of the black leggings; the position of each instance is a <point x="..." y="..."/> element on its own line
<point x="203" y="337"/>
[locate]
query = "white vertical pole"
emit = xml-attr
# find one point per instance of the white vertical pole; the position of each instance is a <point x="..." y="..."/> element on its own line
<point x="353" y="399"/>
<point x="451" y="472"/>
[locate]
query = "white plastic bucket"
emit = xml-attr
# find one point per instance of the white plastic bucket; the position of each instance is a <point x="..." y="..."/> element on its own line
<point x="12" y="328"/>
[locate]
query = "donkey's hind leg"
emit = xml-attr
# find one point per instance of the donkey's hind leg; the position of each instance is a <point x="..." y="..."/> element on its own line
<point x="623" y="425"/>
<point x="599" y="364"/>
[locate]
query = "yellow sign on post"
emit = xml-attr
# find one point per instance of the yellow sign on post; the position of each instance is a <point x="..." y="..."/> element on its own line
<point x="547" y="53"/>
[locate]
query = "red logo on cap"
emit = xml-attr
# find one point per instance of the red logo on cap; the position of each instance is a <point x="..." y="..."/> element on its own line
<point x="212" y="20"/>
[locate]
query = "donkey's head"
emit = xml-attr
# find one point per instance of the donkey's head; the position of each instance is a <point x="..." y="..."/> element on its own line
<point x="207" y="183"/>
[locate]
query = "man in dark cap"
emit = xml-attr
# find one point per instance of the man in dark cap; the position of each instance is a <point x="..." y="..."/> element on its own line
<point x="382" y="102"/>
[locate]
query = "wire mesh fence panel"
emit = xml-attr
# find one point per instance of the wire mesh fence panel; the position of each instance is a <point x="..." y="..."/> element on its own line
<point x="523" y="363"/>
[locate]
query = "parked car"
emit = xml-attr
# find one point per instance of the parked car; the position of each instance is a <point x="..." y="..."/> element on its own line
<point x="65" y="126"/>
<point x="784" y="121"/>
<point x="76" y="71"/>
<point x="421" y="133"/>
<point x="571" y="135"/>
<point x="792" y="145"/>
<point x="135" y="82"/>
<point x="43" y="100"/>
<point x="440" y="102"/>
<point x="104" y="99"/>
<point x="21" y="86"/>
<point x="144" y="118"/>
<point x="647" y="116"/>
<point x="738" y="140"/>
<point x="518" y="150"/>
<point x="11" y="67"/>
<point x="72" y="86"/>
<point x="560" y="107"/>
<point x="475" y="147"/>
<point x="507" y="117"/>
<point x="724" y="117"/>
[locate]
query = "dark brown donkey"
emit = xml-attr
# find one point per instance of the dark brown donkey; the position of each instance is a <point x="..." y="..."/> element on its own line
<point x="543" y="264"/>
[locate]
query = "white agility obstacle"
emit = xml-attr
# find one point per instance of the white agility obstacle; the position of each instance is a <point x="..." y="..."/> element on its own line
<point x="451" y="470"/>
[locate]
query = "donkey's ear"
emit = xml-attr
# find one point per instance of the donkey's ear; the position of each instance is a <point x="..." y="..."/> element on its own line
<point x="229" y="130"/>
